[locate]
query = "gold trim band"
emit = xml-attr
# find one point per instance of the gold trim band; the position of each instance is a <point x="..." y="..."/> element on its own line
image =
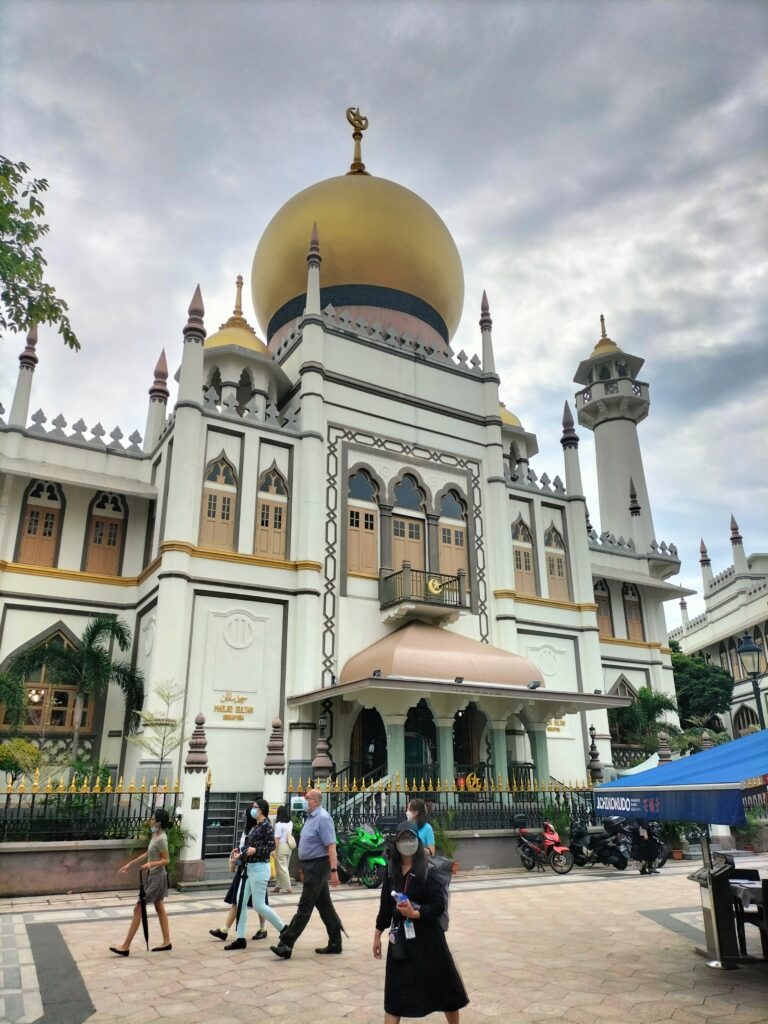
<point x="570" y="606"/>
<point x="222" y="555"/>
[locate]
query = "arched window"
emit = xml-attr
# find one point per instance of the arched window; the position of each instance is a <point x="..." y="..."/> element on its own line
<point x="745" y="721"/>
<point x="408" y="532"/>
<point x="452" y="535"/>
<point x="557" y="575"/>
<point x="106" y="534"/>
<point x="362" y="525"/>
<point x="522" y="552"/>
<point x="633" y="612"/>
<point x="617" y="717"/>
<point x="272" y="514"/>
<point x="50" y="706"/>
<point x="603" y="602"/>
<point x="41" y="524"/>
<point x="217" y="523"/>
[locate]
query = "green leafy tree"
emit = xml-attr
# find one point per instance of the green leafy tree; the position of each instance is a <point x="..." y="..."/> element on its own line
<point x="25" y="297"/>
<point x="163" y="733"/>
<point x="89" y="667"/>
<point x="704" y="691"/>
<point x="13" y="697"/>
<point x="19" y="757"/>
<point x="641" y="722"/>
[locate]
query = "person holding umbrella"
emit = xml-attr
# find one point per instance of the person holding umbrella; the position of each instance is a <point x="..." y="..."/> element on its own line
<point x="154" y="889"/>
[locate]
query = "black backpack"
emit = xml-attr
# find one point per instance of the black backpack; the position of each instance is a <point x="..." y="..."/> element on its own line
<point x="442" y="869"/>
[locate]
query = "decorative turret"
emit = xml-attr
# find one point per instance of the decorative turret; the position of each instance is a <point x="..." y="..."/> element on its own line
<point x="634" y="506"/>
<point x="611" y="403"/>
<point x="706" y="566"/>
<point x="314" y="259"/>
<point x="27" y="363"/>
<point x="158" y="402"/>
<point x="684" y="612"/>
<point x="570" y="443"/>
<point x="486" y="325"/>
<point x="191" y="376"/>
<point x="737" y="542"/>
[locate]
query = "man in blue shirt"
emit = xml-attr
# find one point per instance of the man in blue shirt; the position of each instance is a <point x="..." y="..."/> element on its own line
<point x="317" y="853"/>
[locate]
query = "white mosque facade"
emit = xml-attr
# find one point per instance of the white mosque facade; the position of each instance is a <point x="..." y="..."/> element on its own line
<point x="341" y="526"/>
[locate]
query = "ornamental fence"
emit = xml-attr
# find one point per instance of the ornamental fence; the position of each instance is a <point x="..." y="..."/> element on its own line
<point x="58" y="812"/>
<point x="453" y="806"/>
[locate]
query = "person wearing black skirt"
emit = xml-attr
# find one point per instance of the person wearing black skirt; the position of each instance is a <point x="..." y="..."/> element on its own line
<point x="421" y="977"/>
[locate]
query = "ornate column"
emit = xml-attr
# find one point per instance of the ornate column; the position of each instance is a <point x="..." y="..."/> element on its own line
<point x="394" y="724"/>
<point x="385" y="526"/>
<point x="274" y="768"/>
<point x="499" y="746"/>
<point x="537" y="735"/>
<point x="195" y="773"/>
<point x="433" y="548"/>
<point x="23" y="392"/>
<point x="444" y="728"/>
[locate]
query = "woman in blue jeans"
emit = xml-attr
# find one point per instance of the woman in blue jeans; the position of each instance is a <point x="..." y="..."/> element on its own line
<point x="258" y="847"/>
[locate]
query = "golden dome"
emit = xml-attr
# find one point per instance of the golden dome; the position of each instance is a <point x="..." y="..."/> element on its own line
<point x="381" y="245"/>
<point x="237" y="330"/>
<point x="508" y="417"/>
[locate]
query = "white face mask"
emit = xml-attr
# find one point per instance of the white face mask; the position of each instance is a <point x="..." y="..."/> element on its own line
<point x="407" y="847"/>
<point x="410" y="815"/>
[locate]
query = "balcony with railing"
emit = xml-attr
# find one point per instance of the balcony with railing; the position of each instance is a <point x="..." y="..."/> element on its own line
<point x="427" y="594"/>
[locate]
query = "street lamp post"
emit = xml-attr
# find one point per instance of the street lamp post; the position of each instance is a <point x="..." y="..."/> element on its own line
<point x="749" y="653"/>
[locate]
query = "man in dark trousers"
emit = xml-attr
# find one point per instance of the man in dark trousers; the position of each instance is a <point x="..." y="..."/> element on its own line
<point x="317" y="853"/>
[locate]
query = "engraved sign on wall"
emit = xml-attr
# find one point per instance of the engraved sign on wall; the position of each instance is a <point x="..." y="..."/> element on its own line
<point x="233" y="708"/>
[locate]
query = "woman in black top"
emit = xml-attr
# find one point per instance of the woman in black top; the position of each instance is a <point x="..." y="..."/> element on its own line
<point x="258" y="846"/>
<point x="421" y="977"/>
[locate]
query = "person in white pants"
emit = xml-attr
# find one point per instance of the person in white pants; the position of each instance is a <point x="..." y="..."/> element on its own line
<point x="285" y="844"/>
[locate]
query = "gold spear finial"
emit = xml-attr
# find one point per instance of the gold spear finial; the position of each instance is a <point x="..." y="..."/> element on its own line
<point x="359" y="122"/>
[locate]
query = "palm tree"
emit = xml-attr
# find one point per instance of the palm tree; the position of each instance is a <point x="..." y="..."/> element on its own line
<point x="89" y="668"/>
<point x="640" y="722"/>
<point x="13" y="696"/>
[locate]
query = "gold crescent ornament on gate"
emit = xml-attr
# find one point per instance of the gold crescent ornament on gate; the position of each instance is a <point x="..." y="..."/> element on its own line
<point x="435" y="586"/>
<point x="473" y="782"/>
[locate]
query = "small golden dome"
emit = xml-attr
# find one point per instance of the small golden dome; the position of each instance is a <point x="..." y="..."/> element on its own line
<point x="604" y="344"/>
<point x="508" y="417"/>
<point x="237" y="330"/>
<point x="381" y="245"/>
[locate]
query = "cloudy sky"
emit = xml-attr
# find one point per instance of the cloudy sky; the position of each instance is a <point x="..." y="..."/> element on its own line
<point x="588" y="158"/>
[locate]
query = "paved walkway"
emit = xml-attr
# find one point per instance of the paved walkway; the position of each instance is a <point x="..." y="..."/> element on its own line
<point x="584" y="948"/>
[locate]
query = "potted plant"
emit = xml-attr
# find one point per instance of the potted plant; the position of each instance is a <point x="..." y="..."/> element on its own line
<point x="672" y="836"/>
<point x="445" y="844"/>
<point x="747" y="833"/>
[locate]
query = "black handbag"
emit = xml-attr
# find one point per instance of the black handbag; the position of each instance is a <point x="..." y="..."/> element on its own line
<point x="398" y="941"/>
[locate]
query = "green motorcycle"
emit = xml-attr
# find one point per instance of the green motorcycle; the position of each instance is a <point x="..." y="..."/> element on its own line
<point x="361" y="853"/>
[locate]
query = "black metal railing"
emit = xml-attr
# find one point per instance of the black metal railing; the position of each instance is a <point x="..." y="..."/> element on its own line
<point x="52" y="816"/>
<point x="432" y="588"/>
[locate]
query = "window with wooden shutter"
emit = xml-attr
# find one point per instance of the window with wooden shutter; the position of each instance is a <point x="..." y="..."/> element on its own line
<point x="41" y="524"/>
<point x="272" y="515"/>
<point x="453" y="536"/>
<point x="218" y="515"/>
<point x="104" y="547"/>
<point x="554" y="554"/>
<point x="633" y="612"/>
<point x="522" y="553"/>
<point x="603" y="602"/>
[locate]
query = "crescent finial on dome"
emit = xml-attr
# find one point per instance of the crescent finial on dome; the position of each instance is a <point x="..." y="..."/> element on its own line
<point x="359" y="122"/>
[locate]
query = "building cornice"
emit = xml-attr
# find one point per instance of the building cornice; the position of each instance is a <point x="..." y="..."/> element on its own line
<point x="216" y="555"/>
<point x="571" y="606"/>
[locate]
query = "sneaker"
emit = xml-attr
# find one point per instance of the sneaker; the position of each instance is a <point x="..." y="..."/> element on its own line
<point x="237" y="944"/>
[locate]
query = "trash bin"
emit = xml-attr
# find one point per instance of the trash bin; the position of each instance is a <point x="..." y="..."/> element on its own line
<point x="714" y="880"/>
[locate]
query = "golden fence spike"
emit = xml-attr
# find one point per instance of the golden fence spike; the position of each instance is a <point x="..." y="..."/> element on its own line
<point x="109" y="785"/>
<point x="97" y="785"/>
<point x="176" y="786"/>
<point x="61" y="788"/>
<point x="290" y="785"/>
<point x="501" y="783"/>
<point x="143" y="787"/>
<point x="8" y="784"/>
<point x="165" y="785"/>
<point x="514" y="785"/>
<point x="397" y="782"/>
<point x="86" y="786"/>
<point x="453" y="787"/>
<point x="301" y="788"/>
<point x="36" y="780"/>
<point x="438" y="787"/>
<point x="153" y="787"/>
<point x="120" y="784"/>
<point x="209" y="779"/>
<point x="389" y="786"/>
<point x="423" y="787"/>
<point x="430" y="787"/>
<point x="354" y="784"/>
<point x="48" y="786"/>
<point x="345" y="788"/>
<point x="337" y="787"/>
<point x="380" y="787"/>
<point x="132" y="785"/>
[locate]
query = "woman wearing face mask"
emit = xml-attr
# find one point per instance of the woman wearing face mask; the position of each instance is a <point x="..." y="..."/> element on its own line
<point x="234" y="889"/>
<point x="417" y="813"/>
<point x="155" y="884"/>
<point x="421" y="977"/>
<point x="259" y="845"/>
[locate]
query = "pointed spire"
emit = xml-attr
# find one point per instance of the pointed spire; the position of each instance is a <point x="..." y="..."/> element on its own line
<point x="704" y="559"/>
<point x="736" y="537"/>
<point x="489" y="362"/>
<point x="604" y="342"/>
<point x="159" y="390"/>
<point x="28" y="357"/>
<point x="570" y="438"/>
<point x="603" y="335"/>
<point x="634" y="505"/>
<point x="360" y="123"/>
<point x="195" y="328"/>
<point x="314" y="259"/>
<point x="237" y="319"/>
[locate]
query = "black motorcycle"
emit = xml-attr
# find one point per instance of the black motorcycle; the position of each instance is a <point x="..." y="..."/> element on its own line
<point x="610" y="846"/>
<point x="647" y="846"/>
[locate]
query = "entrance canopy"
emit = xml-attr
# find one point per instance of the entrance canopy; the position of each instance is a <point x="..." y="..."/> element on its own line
<point x="421" y="659"/>
<point x="707" y="787"/>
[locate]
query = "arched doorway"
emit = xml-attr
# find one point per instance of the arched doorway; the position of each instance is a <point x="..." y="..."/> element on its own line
<point x="468" y="756"/>
<point x="421" y="744"/>
<point x="368" y="746"/>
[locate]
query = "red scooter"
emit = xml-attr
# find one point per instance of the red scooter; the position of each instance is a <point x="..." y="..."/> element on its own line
<point x="539" y="849"/>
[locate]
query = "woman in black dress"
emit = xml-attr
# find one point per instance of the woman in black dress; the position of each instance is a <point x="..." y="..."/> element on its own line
<point x="421" y="977"/>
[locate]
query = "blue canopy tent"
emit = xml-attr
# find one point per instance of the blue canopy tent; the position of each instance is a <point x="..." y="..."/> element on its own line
<point x="708" y="787"/>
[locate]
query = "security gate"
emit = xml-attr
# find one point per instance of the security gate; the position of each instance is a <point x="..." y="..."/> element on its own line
<point x="223" y="822"/>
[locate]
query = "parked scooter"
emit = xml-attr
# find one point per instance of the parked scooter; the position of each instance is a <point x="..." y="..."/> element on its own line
<point x="647" y="845"/>
<point x="361" y="853"/>
<point x="610" y="846"/>
<point x="538" y="849"/>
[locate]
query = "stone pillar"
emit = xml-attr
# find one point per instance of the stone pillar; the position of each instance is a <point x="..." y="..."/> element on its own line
<point x="433" y="546"/>
<point x="195" y="774"/>
<point x="395" y="729"/>
<point x="322" y="765"/>
<point x="499" y="745"/>
<point x="385" y="526"/>
<point x="537" y="735"/>
<point x="158" y="404"/>
<point x="737" y="543"/>
<point x="275" y="785"/>
<point x="444" y="728"/>
<point x="595" y="766"/>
